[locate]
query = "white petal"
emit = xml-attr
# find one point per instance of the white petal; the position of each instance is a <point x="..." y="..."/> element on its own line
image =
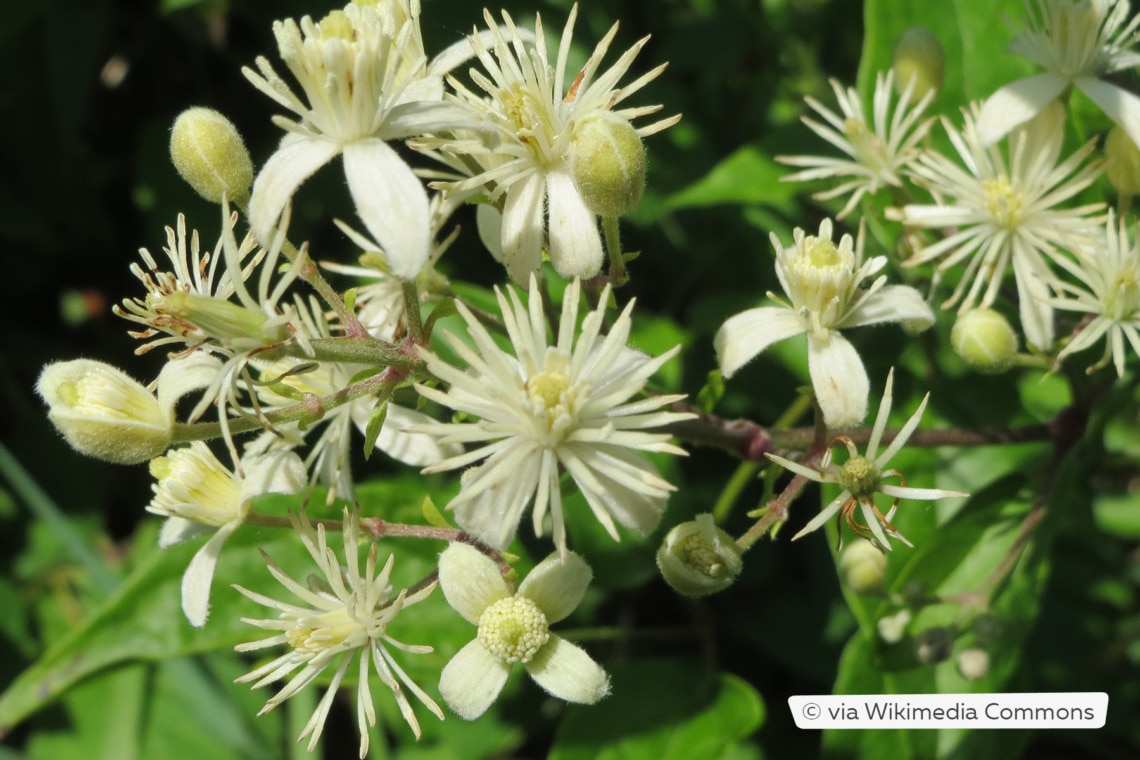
<point x="557" y="586"/>
<point x="748" y="333"/>
<point x="275" y="472"/>
<point x="470" y="580"/>
<point x="1122" y="106"/>
<point x="392" y="203"/>
<point x="490" y="224"/>
<point x="472" y="680"/>
<point x="567" y="672"/>
<point x="575" y="245"/>
<point x="839" y="379"/>
<point x="293" y="163"/>
<point x="200" y="574"/>
<point x="824" y="515"/>
<point x="893" y="303"/>
<point x="1032" y="294"/>
<point x="1016" y="104"/>
<point x="178" y="529"/>
<point x="522" y="228"/>
<point x="182" y="376"/>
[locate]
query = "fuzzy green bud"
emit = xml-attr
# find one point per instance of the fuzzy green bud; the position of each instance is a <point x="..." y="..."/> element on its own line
<point x="697" y="558"/>
<point x="862" y="566"/>
<point x="984" y="340"/>
<point x="1123" y="165"/>
<point x="210" y="155"/>
<point x="607" y="161"/>
<point x="104" y="413"/>
<point x="918" y="55"/>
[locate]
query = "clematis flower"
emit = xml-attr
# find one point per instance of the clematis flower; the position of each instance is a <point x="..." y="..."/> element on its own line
<point x="366" y="80"/>
<point x="823" y="282"/>
<point x="343" y="614"/>
<point x="514" y="627"/>
<point x="861" y="477"/>
<point x="1006" y="213"/>
<point x="197" y="493"/>
<point x="1079" y="43"/>
<point x="1109" y="295"/>
<point x="879" y="150"/>
<point x="548" y="407"/>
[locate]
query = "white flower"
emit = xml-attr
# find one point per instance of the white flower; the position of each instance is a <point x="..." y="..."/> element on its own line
<point x="1006" y="213"/>
<point x="196" y="492"/>
<point x="1110" y="271"/>
<point x="104" y="413"/>
<point x="551" y="407"/>
<point x="1079" y="43"/>
<point x="861" y="477"/>
<point x="823" y="283"/>
<point x="535" y="112"/>
<point x="514" y="626"/>
<point x="365" y="80"/>
<point x="879" y="152"/>
<point x="343" y="614"/>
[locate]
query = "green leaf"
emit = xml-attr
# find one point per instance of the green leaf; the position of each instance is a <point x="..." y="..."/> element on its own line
<point x="711" y="392"/>
<point x="746" y="176"/>
<point x="375" y="423"/>
<point x="668" y="709"/>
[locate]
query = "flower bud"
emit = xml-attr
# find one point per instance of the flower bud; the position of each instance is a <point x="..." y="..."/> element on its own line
<point x="1123" y="166"/>
<point x="697" y="558"/>
<point x="893" y="627"/>
<point x="208" y="152"/>
<point x="218" y="318"/>
<point x="933" y="645"/>
<point x="862" y="566"/>
<point x="984" y="340"/>
<point x="104" y="413"/>
<point x="973" y="663"/>
<point x="607" y="161"/>
<point x="918" y="55"/>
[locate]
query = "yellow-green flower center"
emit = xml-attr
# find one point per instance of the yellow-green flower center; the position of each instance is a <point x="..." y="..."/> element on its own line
<point x="1003" y="202"/>
<point x="547" y="387"/>
<point x="820" y="277"/>
<point x="329" y="630"/>
<point x="869" y="149"/>
<point x="513" y="629"/>
<point x="528" y="115"/>
<point x="860" y="476"/>
<point x="701" y="556"/>
<point x="1122" y="298"/>
<point x="337" y="25"/>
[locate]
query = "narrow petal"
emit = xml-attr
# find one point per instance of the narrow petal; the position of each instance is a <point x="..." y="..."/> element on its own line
<point x="471" y="680"/>
<point x="575" y="245"/>
<point x="748" y="333"/>
<point x="567" y="672"/>
<point x="275" y="472"/>
<point x="893" y="303"/>
<point x="824" y="515"/>
<point x="1122" y="106"/>
<point x="839" y="379"/>
<point x="293" y="163"/>
<point x="470" y="581"/>
<point x="178" y="529"/>
<point x="392" y="203"/>
<point x="200" y="574"/>
<point x="1016" y="104"/>
<point x="416" y="449"/>
<point x="557" y="586"/>
<point x="522" y="228"/>
<point x="181" y="376"/>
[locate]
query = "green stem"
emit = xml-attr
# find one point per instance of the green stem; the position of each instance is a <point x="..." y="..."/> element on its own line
<point x="745" y="473"/>
<point x="611" y="227"/>
<point x="412" y="311"/>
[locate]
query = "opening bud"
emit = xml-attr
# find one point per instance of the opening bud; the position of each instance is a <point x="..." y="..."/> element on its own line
<point x="984" y="340"/>
<point x="697" y="558"/>
<point x="208" y="152"/>
<point x="892" y="628"/>
<point x="862" y="566"/>
<point x="918" y="55"/>
<point x="104" y="413"/>
<point x="607" y="161"/>
<point x="1123" y="165"/>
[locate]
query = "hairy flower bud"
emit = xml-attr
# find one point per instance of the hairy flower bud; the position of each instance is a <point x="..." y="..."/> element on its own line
<point x="607" y="160"/>
<point x="697" y="558"/>
<point x="862" y="566"/>
<point x="973" y="663"/>
<point x="104" y="413"/>
<point x="984" y="340"/>
<point x="1123" y="166"/>
<point x="208" y="152"/>
<point x="918" y="55"/>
